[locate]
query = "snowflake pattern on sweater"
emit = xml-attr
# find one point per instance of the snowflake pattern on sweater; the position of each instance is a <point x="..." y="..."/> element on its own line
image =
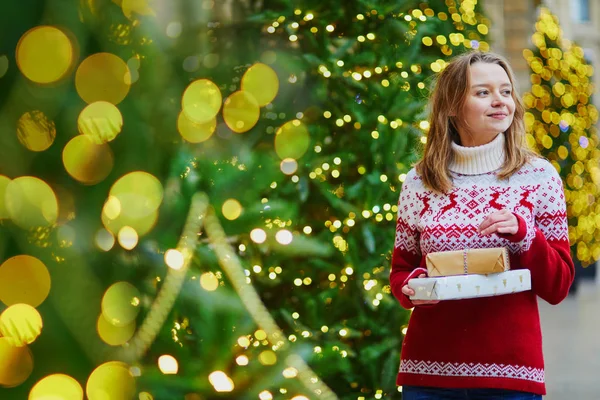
<point x="490" y="342"/>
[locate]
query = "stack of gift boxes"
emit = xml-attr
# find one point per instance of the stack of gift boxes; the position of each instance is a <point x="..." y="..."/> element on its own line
<point x="469" y="273"/>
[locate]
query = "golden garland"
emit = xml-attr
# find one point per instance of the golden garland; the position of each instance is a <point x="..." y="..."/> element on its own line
<point x="250" y="298"/>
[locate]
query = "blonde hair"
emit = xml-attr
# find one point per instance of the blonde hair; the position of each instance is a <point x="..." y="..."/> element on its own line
<point x="446" y="103"/>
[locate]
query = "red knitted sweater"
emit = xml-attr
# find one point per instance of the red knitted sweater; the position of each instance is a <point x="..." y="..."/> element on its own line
<point x="493" y="342"/>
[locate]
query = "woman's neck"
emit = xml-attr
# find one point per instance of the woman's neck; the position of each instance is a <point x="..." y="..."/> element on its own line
<point x="478" y="159"/>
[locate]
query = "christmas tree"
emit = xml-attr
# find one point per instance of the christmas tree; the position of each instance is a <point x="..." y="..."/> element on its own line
<point x="199" y="197"/>
<point x="560" y="124"/>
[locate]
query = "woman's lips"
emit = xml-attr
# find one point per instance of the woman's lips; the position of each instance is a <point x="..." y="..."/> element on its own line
<point x="498" y="115"/>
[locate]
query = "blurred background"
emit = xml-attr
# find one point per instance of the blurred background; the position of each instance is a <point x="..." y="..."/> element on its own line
<point x="198" y="198"/>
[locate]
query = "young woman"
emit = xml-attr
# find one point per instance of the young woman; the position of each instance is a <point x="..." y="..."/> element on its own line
<point x="479" y="186"/>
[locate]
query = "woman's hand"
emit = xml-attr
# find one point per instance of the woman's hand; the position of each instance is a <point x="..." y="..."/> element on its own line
<point x="410" y="292"/>
<point x="502" y="221"/>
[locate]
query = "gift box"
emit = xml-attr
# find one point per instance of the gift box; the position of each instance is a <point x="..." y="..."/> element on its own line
<point x="470" y="286"/>
<point x="467" y="261"/>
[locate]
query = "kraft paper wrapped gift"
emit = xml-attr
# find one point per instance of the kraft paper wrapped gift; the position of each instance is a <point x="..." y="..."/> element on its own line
<point x="470" y="286"/>
<point x="468" y="261"/>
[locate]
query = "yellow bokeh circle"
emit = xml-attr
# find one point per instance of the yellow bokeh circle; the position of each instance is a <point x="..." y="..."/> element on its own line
<point x="140" y="7"/>
<point x="114" y="335"/>
<point x="24" y="279"/>
<point x="16" y="363"/>
<point x="4" y="181"/>
<point x="292" y="140"/>
<point x="201" y="101"/>
<point x="209" y="281"/>
<point x="139" y="194"/>
<point x="56" y="387"/>
<point x="128" y="237"/>
<point x="261" y="82"/>
<point x="31" y="203"/>
<point x="141" y="225"/>
<point x="103" y="77"/>
<point x="101" y="121"/>
<point x="231" y="209"/>
<point x="195" y="132"/>
<point x="111" y="380"/>
<point x="35" y="131"/>
<point x="86" y="161"/>
<point x="241" y="111"/>
<point x="121" y="304"/>
<point x="21" y="324"/>
<point x="44" y="54"/>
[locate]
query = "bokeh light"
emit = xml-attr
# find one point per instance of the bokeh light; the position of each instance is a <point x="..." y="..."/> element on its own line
<point x="35" y="131"/>
<point x="288" y="166"/>
<point x="4" y="181"/>
<point x="201" y="101"/>
<point x="139" y="194"/>
<point x="267" y="357"/>
<point x="56" y="387"/>
<point x="258" y="235"/>
<point x="24" y="279"/>
<point x="231" y="209"/>
<point x="20" y="324"/>
<point x="174" y="259"/>
<point x="121" y="304"/>
<point x="195" y="132"/>
<point x="16" y="363"/>
<point x="139" y="7"/>
<point x="168" y="364"/>
<point x="31" y="203"/>
<point x="103" y="77"/>
<point x="128" y="237"/>
<point x="209" y="281"/>
<point x="87" y="161"/>
<point x="241" y="111"/>
<point x="104" y="240"/>
<point x="100" y="121"/>
<point x="292" y="140"/>
<point x="141" y="225"/>
<point x="284" y="237"/>
<point x="114" y="335"/>
<point x="261" y="82"/>
<point x="111" y="380"/>
<point x="44" y="54"/>
<point x="220" y="381"/>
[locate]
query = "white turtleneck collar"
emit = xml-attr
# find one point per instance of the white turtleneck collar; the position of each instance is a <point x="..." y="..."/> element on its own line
<point x="478" y="159"/>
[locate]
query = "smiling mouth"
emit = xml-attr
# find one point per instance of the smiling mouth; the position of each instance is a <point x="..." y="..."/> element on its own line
<point x="498" y="115"/>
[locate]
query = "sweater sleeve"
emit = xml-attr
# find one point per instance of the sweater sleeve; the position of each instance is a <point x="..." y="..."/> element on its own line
<point x="544" y="245"/>
<point x="406" y="255"/>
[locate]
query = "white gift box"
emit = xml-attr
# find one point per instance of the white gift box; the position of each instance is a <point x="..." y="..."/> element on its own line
<point x="469" y="286"/>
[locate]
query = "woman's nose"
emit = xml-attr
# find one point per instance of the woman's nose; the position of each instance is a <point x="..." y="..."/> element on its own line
<point x="498" y="100"/>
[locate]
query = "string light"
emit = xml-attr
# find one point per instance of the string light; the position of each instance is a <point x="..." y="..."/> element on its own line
<point x="559" y="117"/>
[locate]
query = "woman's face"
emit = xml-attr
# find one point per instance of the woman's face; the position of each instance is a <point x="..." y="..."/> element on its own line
<point x="489" y="107"/>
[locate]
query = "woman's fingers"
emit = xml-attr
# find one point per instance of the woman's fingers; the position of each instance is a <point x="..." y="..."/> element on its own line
<point x="424" y="302"/>
<point x="502" y="221"/>
<point x="407" y="291"/>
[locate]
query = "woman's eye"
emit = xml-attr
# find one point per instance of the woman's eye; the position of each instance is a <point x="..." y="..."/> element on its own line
<point x="482" y="92"/>
<point x="507" y="92"/>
